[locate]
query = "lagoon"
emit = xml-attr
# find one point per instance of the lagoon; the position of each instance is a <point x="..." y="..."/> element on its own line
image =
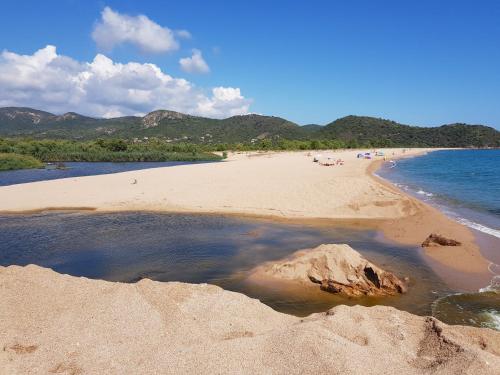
<point x="211" y="249"/>
<point x="80" y="169"/>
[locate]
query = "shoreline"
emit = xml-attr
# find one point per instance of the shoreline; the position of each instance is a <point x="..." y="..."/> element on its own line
<point x="377" y="204"/>
<point x="445" y="263"/>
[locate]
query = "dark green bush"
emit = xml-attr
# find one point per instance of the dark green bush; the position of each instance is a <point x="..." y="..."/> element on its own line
<point x="12" y="161"/>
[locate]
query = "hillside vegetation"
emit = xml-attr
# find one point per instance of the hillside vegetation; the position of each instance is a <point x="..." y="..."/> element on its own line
<point x="101" y="150"/>
<point x="385" y="133"/>
<point x="248" y="131"/>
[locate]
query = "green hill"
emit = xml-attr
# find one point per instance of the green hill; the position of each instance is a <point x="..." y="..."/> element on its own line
<point x="379" y="133"/>
<point x="174" y="126"/>
<point x="177" y="127"/>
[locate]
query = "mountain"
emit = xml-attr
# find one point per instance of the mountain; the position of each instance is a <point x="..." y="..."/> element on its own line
<point x="176" y="127"/>
<point x="170" y="125"/>
<point x="18" y="119"/>
<point x="15" y="121"/>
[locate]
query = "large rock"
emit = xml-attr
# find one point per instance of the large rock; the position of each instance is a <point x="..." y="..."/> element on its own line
<point x="58" y="324"/>
<point x="337" y="268"/>
<point x="154" y="118"/>
<point x="438" y="240"/>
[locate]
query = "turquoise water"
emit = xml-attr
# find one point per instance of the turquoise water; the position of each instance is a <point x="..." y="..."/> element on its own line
<point x="465" y="185"/>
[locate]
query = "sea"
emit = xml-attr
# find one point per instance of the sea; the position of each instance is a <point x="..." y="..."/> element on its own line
<point x="465" y="185"/>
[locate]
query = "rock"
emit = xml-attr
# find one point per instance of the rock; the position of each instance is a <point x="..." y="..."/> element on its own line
<point x="154" y="118"/>
<point x="338" y="269"/>
<point x="438" y="240"/>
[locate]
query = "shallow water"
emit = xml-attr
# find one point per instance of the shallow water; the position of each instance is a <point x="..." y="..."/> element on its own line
<point x="79" y="169"/>
<point x="196" y="248"/>
<point x="465" y="185"/>
<point x="478" y="309"/>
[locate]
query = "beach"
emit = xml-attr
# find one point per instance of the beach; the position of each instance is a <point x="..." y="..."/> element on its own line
<point x="279" y="185"/>
<point x="57" y="323"/>
<point x="183" y="191"/>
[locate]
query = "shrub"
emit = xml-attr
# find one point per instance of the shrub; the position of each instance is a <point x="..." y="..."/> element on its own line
<point x="15" y="161"/>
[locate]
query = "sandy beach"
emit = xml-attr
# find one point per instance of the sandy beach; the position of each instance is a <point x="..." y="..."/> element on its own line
<point x="287" y="185"/>
<point x="53" y="323"/>
<point x="280" y="185"/>
<point x="247" y="187"/>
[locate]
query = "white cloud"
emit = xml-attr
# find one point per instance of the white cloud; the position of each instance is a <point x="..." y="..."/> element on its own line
<point x="221" y="101"/>
<point x="184" y="34"/>
<point x="102" y="87"/>
<point x="195" y="63"/>
<point x="115" y="28"/>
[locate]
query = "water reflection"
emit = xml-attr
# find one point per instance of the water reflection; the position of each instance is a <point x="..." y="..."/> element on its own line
<point x="196" y="248"/>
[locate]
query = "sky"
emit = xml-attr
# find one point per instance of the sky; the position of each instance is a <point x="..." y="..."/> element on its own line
<point x="420" y="62"/>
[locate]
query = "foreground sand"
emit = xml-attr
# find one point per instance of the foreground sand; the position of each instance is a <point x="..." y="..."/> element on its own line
<point x="52" y="323"/>
<point x="280" y="185"/>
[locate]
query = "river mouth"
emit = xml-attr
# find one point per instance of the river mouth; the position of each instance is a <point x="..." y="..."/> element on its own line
<point x="211" y="249"/>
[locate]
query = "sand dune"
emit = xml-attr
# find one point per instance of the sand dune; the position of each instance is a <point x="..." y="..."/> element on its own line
<point x="52" y="323"/>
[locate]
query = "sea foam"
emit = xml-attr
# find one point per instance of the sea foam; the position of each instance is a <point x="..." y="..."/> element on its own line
<point x="479" y="227"/>
<point x="423" y="192"/>
<point x="492" y="318"/>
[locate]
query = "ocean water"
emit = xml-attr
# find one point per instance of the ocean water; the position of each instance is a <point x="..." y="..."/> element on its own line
<point x="79" y="169"/>
<point x="465" y="185"/>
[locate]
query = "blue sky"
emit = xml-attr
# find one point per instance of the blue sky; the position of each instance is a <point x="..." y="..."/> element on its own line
<point x="421" y="62"/>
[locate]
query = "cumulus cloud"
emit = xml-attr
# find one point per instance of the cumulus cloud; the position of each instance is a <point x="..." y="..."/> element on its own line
<point x="195" y="63"/>
<point x="115" y="28"/>
<point x="102" y="87"/>
<point x="221" y="102"/>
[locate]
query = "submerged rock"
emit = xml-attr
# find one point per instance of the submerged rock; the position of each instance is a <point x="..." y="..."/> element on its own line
<point x="338" y="269"/>
<point x="438" y="240"/>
